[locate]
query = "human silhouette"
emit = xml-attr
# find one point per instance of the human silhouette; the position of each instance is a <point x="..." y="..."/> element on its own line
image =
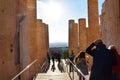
<point x="48" y="57"/>
<point x="58" y="57"/>
<point x="53" y="56"/>
<point x="102" y="61"/>
<point x="71" y="57"/>
<point x="66" y="55"/>
<point x="60" y="67"/>
<point x="53" y="67"/>
<point x="81" y="64"/>
<point x="116" y="63"/>
<point x="48" y="61"/>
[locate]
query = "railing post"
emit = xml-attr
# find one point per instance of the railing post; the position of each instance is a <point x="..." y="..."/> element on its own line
<point x="67" y="65"/>
<point x="73" y="72"/>
<point x="74" y="68"/>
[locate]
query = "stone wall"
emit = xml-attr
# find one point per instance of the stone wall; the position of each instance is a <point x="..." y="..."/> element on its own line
<point x="110" y="23"/>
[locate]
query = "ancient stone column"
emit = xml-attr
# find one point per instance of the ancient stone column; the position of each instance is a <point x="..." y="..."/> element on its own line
<point x="83" y="40"/>
<point x="44" y="47"/>
<point x="82" y="34"/>
<point x="47" y="37"/>
<point x="8" y="16"/>
<point x="70" y="42"/>
<point x="31" y="12"/>
<point x="39" y="40"/>
<point x="75" y="38"/>
<point x="31" y="16"/>
<point x="42" y="40"/>
<point x="93" y="21"/>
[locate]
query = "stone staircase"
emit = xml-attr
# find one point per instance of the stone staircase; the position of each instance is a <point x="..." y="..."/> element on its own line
<point x="53" y="75"/>
<point x="56" y="74"/>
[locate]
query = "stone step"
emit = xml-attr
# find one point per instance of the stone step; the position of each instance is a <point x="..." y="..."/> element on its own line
<point x="53" y="76"/>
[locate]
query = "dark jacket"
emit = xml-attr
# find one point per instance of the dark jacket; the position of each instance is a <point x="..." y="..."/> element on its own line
<point x="102" y="62"/>
<point x="71" y="57"/>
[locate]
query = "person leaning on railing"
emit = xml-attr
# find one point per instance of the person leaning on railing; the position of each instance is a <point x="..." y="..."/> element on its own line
<point x="81" y="64"/>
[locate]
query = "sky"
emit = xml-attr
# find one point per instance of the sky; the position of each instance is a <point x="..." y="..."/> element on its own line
<point x="56" y="14"/>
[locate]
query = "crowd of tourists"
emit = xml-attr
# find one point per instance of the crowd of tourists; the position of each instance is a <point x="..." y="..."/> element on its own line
<point x="106" y="61"/>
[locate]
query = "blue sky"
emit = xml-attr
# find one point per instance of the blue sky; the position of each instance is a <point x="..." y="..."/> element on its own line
<point x="56" y="14"/>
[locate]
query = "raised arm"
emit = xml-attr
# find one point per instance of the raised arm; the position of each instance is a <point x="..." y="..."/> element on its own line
<point x="89" y="50"/>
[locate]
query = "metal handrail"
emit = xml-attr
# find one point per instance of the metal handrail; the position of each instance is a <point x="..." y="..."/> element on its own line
<point x="43" y="67"/>
<point x="27" y="67"/>
<point x="78" y="70"/>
